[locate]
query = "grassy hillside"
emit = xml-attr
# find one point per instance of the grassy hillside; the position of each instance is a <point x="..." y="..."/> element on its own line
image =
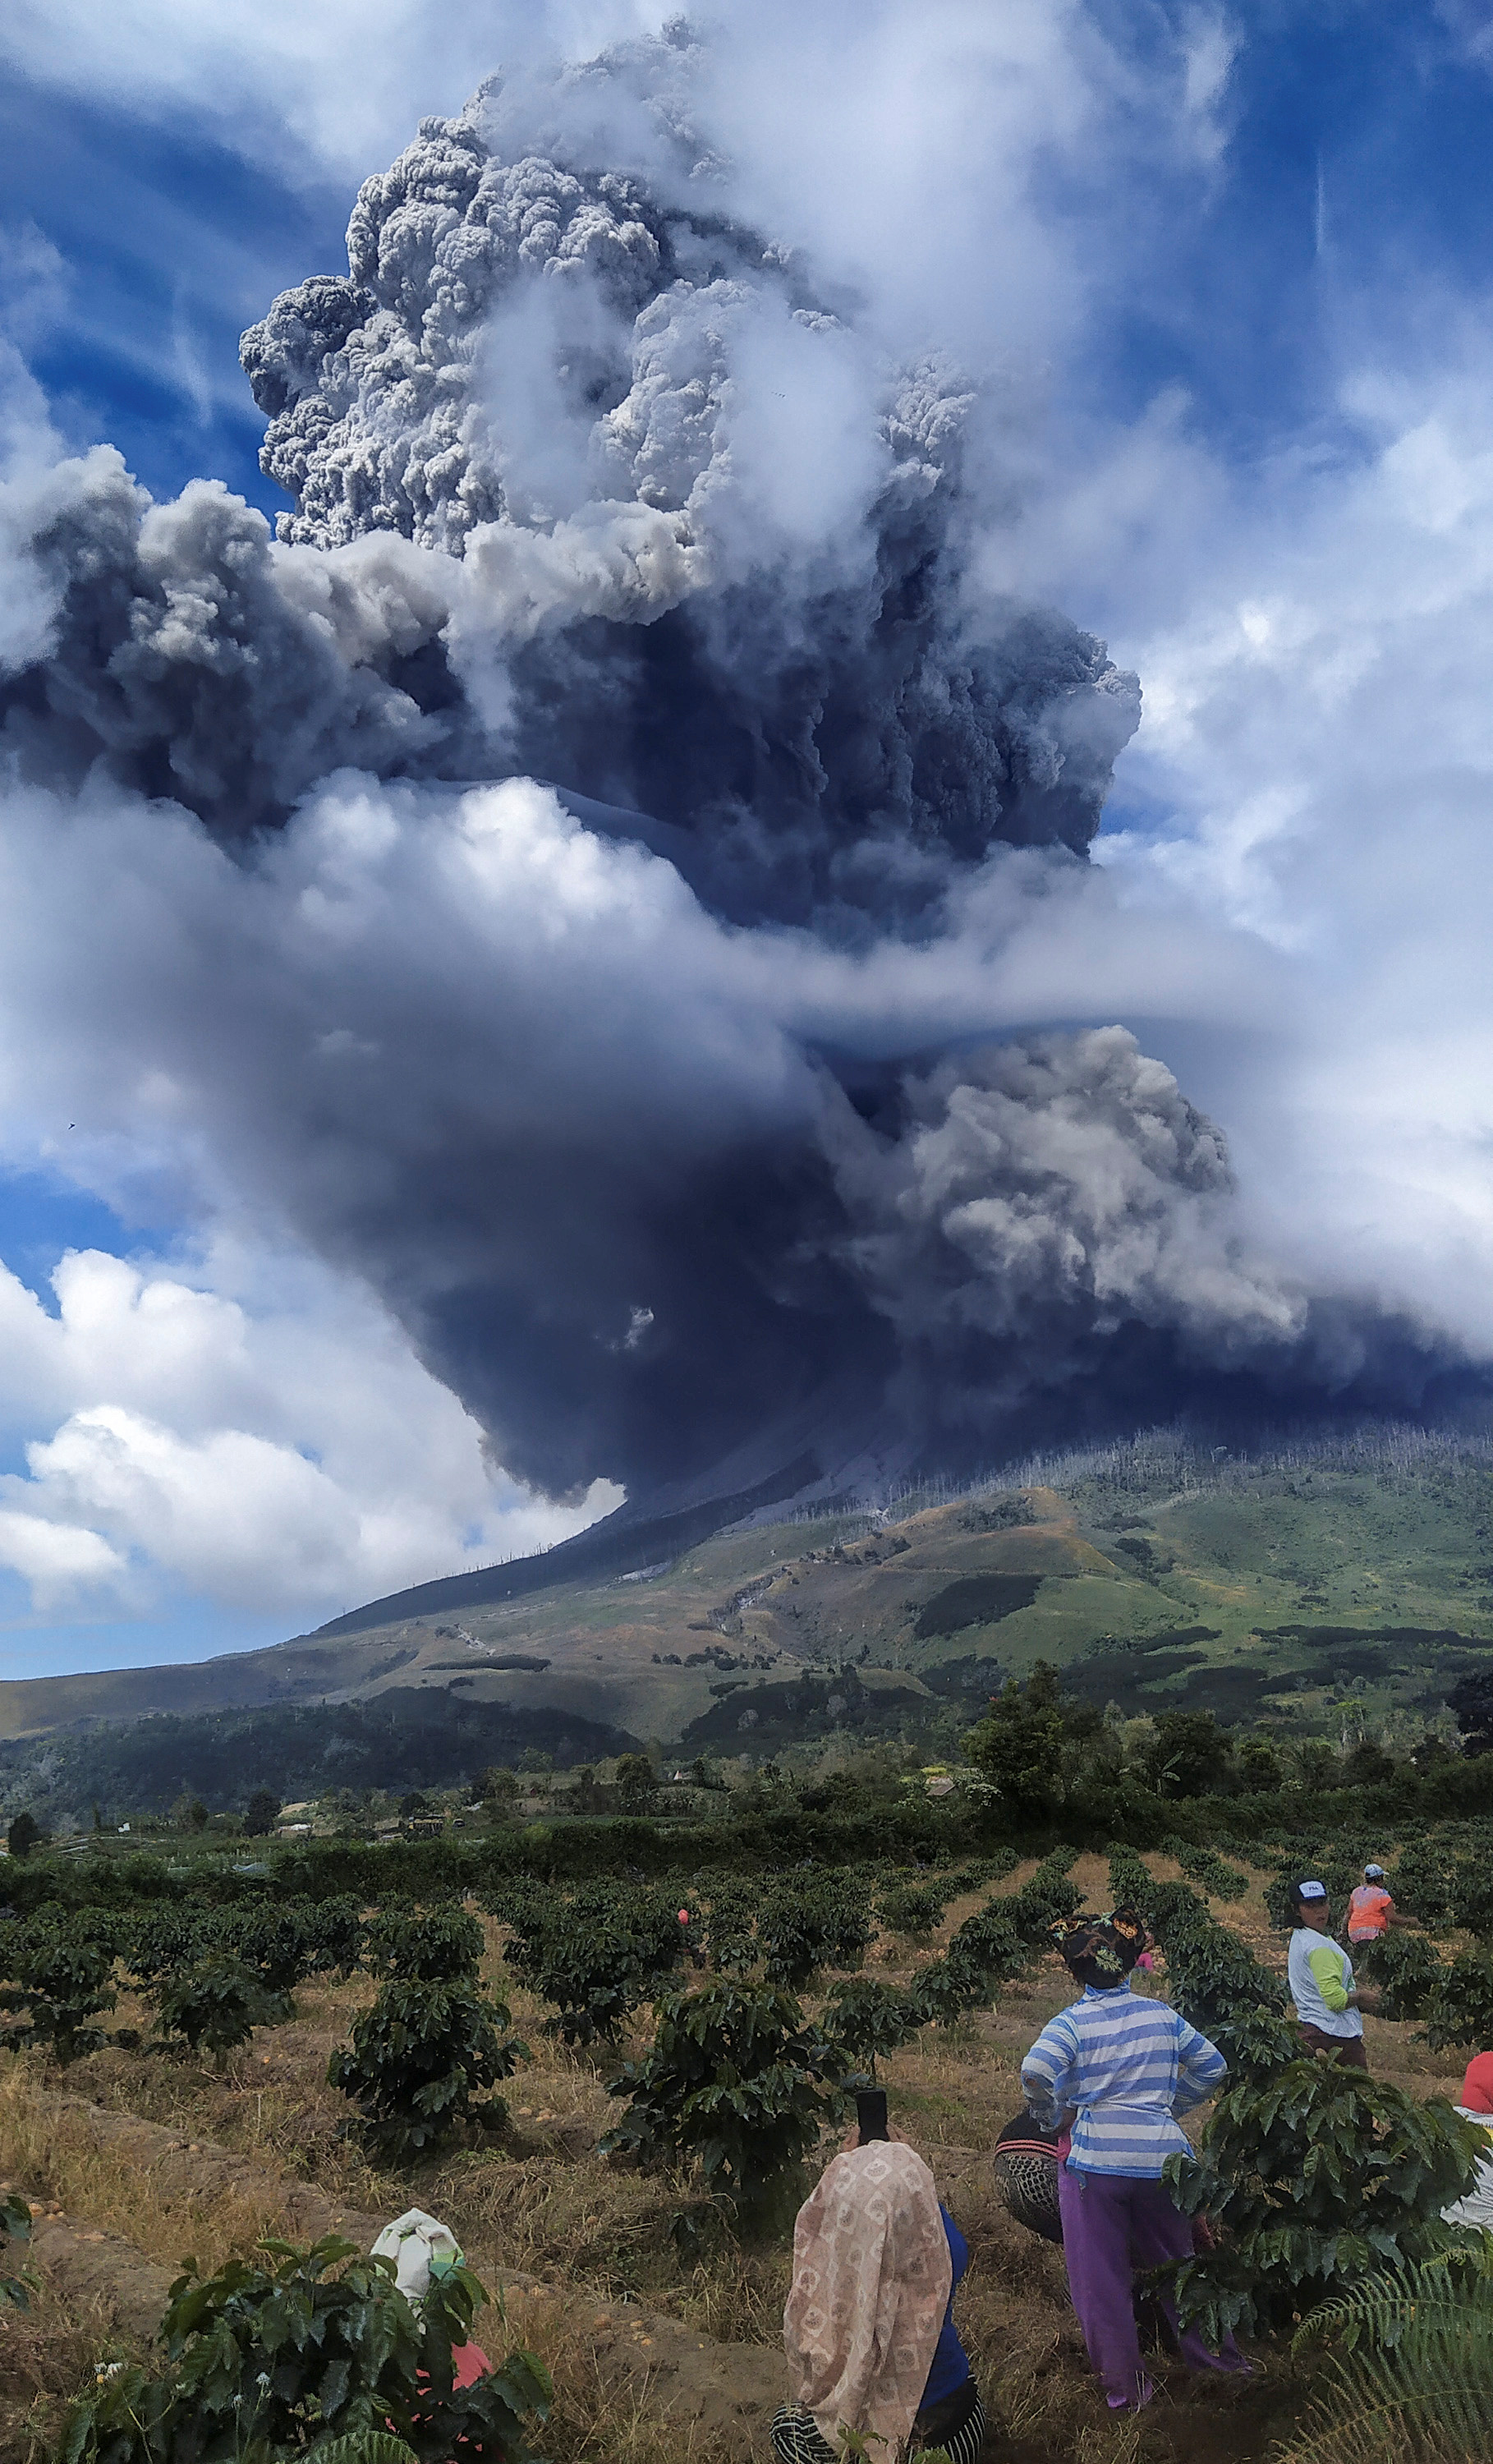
<point x="1279" y="1589"/>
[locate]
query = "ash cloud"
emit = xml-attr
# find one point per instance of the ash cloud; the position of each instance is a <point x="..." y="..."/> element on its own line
<point x="630" y="1075"/>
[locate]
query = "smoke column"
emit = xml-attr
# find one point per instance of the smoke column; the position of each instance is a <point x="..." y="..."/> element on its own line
<point x="578" y="875"/>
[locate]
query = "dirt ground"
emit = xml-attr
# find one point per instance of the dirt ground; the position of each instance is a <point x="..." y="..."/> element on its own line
<point x="664" y="2335"/>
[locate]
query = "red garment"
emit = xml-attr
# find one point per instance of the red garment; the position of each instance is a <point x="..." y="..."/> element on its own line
<point x="469" y="2362"/>
<point x="1477" y="2087"/>
<point x="1368" y="1912"/>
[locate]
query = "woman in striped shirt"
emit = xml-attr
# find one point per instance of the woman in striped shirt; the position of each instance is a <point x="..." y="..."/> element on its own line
<point x="1121" y="2068"/>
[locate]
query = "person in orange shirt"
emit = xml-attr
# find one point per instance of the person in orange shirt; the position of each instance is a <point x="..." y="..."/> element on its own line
<point x="1371" y="1910"/>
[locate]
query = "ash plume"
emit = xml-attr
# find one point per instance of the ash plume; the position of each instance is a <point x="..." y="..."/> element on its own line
<point x="596" y="802"/>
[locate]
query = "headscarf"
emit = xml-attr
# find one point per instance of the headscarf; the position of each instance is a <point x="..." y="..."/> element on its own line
<point x="871" y="2278"/>
<point x="1477" y="2087"/>
<point x="1101" y="1950"/>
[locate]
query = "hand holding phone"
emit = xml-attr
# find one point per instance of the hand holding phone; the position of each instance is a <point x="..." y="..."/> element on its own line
<point x="870" y="2113"/>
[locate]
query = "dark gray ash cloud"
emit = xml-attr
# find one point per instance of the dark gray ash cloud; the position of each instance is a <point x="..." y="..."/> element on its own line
<point x="666" y="1115"/>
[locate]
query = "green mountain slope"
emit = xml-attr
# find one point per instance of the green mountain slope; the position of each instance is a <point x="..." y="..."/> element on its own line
<point x="1156" y="1576"/>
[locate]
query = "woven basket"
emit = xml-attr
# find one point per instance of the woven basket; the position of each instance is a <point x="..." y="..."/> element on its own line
<point x="1025" y="2164"/>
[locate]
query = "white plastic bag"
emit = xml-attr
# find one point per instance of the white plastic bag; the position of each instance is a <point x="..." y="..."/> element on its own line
<point x="420" y="2246"/>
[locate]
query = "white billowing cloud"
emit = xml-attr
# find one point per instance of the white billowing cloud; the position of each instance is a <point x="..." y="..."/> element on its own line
<point x="1319" y="739"/>
<point x="320" y="91"/>
<point x="277" y="1451"/>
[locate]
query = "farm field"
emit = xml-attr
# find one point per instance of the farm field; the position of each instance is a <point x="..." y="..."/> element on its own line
<point x="661" y="2326"/>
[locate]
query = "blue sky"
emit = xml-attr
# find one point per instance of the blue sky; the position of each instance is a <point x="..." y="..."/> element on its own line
<point x="1260" y="346"/>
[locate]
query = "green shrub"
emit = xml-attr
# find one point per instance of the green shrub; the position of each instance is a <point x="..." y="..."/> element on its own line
<point x="595" y="1957"/>
<point x="338" y="1936"/>
<point x="437" y="1945"/>
<point x="871" y="2019"/>
<point x="418" y="2058"/>
<point x="1205" y="1867"/>
<point x="912" y="1908"/>
<point x="801" y="1930"/>
<point x="1472" y="1897"/>
<point x="1458" y="2009"/>
<point x="1422" y="1880"/>
<point x="1313" y="2174"/>
<point x="1213" y="1977"/>
<point x="216" y="2003"/>
<point x="61" y="1983"/>
<point x="274" y="1939"/>
<point x="1406" y="1969"/>
<point x="267" y="2362"/>
<point x="1130" y="1882"/>
<point x="170" y="1939"/>
<point x="729" y="1937"/>
<point x="737" y="2080"/>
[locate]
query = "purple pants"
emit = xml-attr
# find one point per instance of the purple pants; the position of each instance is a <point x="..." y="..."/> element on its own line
<point x="1112" y="2225"/>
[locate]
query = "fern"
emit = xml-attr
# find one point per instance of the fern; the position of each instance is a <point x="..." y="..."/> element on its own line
<point x="1412" y="2375"/>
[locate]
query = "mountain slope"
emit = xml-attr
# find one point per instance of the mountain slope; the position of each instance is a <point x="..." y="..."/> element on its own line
<point x="1272" y="1589"/>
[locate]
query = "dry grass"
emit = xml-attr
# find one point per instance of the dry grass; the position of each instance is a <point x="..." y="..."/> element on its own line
<point x="48" y="2354"/>
<point x="57" y="2155"/>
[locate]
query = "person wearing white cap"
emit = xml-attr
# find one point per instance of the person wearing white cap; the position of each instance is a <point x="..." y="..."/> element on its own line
<point x="1321" y="1978"/>
<point x="1371" y="1910"/>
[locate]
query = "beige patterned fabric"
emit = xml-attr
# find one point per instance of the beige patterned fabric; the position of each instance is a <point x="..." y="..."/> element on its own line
<point x="871" y="2276"/>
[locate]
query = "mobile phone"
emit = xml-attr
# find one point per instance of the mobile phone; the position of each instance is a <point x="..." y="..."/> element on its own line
<point x="870" y="2112"/>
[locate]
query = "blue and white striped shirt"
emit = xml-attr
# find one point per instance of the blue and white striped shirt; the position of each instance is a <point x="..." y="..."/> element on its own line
<point x="1128" y="2064"/>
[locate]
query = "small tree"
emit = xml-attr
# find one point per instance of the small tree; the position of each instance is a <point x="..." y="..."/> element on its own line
<point x="1314" y="2173"/>
<point x="1406" y="1969"/>
<point x="871" y="2019"/>
<point x="1019" y="1745"/>
<point x="912" y="1908"/>
<point x="1189" y="1755"/>
<point x="316" y="2346"/>
<point x="217" y="2002"/>
<point x="439" y="1945"/>
<point x="635" y="1783"/>
<point x="24" y="1833"/>
<point x="736" y="2079"/>
<point x="498" y="1790"/>
<point x="1459" y="2007"/>
<point x="1259" y="1764"/>
<point x="801" y="1930"/>
<point x="261" y="1814"/>
<point x="62" y="1982"/>
<point x="417" y="2061"/>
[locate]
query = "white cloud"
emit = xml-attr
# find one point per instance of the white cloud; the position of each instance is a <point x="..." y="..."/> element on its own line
<point x="1318" y="742"/>
<point x="277" y="1451"/>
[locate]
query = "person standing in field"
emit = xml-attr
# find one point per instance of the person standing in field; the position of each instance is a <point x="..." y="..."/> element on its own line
<point x="1371" y="1910"/>
<point x="1320" y="1974"/>
<point x="1119" y="2068"/>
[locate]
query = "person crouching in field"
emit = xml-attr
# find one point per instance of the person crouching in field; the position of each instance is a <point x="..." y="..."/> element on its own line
<point x="1121" y="2067"/>
<point x="869" y="2328"/>
<point x="1320" y="1974"/>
